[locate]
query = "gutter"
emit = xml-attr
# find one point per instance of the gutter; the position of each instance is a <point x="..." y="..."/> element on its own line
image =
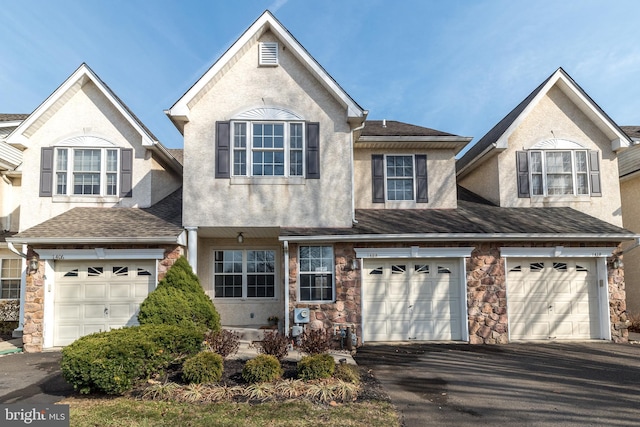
<point x="92" y="240"/>
<point x="450" y="237"/>
<point x="286" y="288"/>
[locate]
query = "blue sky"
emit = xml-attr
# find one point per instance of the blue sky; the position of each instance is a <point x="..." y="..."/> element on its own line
<point x="457" y="65"/>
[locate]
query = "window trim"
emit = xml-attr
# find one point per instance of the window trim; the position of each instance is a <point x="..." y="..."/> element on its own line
<point x="70" y="172"/>
<point x="245" y="297"/>
<point x="413" y="179"/>
<point x="17" y="278"/>
<point x="249" y="149"/>
<point x="544" y="172"/>
<point x="301" y="273"/>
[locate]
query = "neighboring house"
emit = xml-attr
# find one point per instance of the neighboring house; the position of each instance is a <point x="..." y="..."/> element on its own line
<point x="629" y="164"/>
<point x="295" y="205"/>
<point x="95" y="183"/>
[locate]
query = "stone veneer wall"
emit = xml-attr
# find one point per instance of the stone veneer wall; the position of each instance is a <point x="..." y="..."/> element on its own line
<point x="32" y="332"/>
<point x="346" y="310"/>
<point x="617" y="300"/>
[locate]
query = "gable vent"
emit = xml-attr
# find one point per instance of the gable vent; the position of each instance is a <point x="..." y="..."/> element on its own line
<point x="268" y="53"/>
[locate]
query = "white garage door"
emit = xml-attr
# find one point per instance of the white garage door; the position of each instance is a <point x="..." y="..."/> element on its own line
<point x="552" y="299"/>
<point x="98" y="296"/>
<point x="411" y="299"/>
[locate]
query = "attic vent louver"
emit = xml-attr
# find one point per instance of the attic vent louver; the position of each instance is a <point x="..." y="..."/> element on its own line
<point x="268" y="53"/>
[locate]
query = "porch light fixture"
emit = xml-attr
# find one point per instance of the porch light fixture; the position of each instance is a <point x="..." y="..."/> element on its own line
<point x="240" y="237"/>
<point x="33" y="265"/>
<point x="617" y="263"/>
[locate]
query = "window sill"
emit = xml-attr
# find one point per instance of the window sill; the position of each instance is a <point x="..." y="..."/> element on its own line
<point x="243" y="300"/>
<point x="560" y="199"/>
<point x="400" y="204"/>
<point x="85" y="199"/>
<point x="267" y="180"/>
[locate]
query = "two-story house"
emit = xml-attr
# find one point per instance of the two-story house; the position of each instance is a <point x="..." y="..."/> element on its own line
<point x="294" y="205"/>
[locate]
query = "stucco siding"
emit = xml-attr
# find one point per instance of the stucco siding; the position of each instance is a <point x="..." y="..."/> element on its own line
<point x="484" y="180"/>
<point x="630" y="189"/>
<point x="163" y="182"/>
<point x="441" y="181"/>
<point x="267" y="201"/>
<point x="556" y="116"/>
<point x="87" y="112"/>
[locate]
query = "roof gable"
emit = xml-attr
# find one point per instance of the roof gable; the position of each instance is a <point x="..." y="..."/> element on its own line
<point x="81" y="76"/>
<point x="179" y="112"/>
<point x="497" y="138"/>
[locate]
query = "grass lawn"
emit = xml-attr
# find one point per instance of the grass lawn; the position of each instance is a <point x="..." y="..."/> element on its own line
<point x="123" y="411"/>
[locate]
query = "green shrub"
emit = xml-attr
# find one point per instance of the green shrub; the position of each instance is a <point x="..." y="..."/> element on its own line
<point x="274" y="344"/>
<point x="111" y="362"/>
<point x="204" y="367"/>
<point x="262" y="369"/>
<point x="315" y="341"/>
<point x="180" y="300"/>
<point x="316" y="367"/>
<point x="347" y="373"/>
<point x="223" y="342"/>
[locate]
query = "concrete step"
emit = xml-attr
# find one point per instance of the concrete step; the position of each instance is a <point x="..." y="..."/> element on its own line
<point x="249" y="335"/>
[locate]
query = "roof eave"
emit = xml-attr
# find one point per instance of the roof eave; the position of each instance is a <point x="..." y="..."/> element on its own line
<point x="448" y="237"/>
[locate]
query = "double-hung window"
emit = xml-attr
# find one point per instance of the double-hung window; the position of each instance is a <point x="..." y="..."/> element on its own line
<point x="86" y="171"/>
<point x="268" y="148"/>
<point x="244" y="274"/>
<point x="400" y="178"/>
<point x="10" y="272"/>
<point x="559" y="172"/>
<point x="316" y="274"/>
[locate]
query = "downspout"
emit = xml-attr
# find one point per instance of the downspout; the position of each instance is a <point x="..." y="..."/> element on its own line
<point x="286" y="287"/>
<point x="6" y="179"/>
<point x="353" y="173"/>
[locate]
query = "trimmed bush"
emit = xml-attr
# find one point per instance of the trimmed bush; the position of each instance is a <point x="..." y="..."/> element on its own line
<point x="204" y="367"/>
<point x="111" y="362"/>
<point x="223" y="342"/>
<point x="262" y="369"/>
<point x="347" y="373"/>
<point x="180" y="300"/>
<point x="316" y="367"/>
<point x="274" y="344"/>
<point x="315" y="341"/>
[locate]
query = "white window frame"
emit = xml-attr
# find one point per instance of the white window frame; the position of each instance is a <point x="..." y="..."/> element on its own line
<point x="544" y="172"/>
<point x="387" y="178"/>
<point x="332" y="272"/>
<point x="69" y="172"/>
<point x="245" y="274"/>
<point x="248" y="148"/>
<point x="16" y="278"/>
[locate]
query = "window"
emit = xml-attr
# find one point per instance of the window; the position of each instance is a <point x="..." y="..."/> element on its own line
<point x="316" y="273"/>
<point x="10" y="273"/>
<point x="244" y="274"/>
<point x="556" y="172"/>
<point x="86" y="171"/>
<point x="268" y="148"/>
<point x="399" y="177"/>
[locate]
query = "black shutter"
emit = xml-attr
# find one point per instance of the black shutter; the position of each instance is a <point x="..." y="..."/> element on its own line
<point x="126" y="172"/>
<point x="313" y="151"/>
<point x="522" y="164"/>
<point x="46" y="172"/>
<point x="594" y="173"/>
<point x="377" y="171"/>
<point x="223" y="147"/>
<point x="422" y="193"/>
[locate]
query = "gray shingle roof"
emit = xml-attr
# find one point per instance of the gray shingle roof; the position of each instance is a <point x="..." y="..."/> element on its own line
<point x="4" y="117"/>
<point x="474" y="218"/>
<point x="395" y="128"/>
<point x="632" y="132"/>
<point x="159" y="223"/>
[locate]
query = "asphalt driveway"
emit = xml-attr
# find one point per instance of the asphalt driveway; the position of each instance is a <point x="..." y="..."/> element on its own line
<point x="534" y="384"/>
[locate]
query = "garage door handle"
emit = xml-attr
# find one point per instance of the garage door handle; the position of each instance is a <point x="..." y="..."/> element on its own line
<point x="106" y="311"/>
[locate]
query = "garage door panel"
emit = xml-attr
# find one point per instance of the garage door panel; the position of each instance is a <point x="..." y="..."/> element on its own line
<point x="417" y="293"/>
<point x="95" y="291"/>
<point x="561" y="303"/>
<point x="84" y="290"/>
